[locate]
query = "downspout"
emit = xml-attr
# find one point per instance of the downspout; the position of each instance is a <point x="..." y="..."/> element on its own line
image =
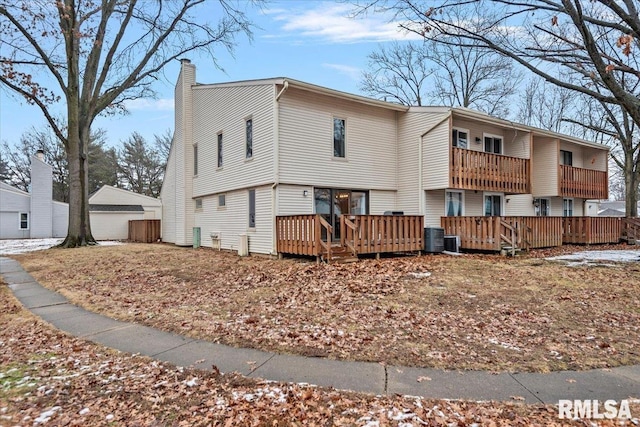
<point x="421" y="196"/>
<point x="276" y="163"/>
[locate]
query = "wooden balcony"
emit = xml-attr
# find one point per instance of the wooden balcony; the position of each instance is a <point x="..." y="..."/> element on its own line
<point x="360" y="234"/>
<point x="583" y="183"/>
<point x="476" y="170"/>
<point x="527" y="232"/>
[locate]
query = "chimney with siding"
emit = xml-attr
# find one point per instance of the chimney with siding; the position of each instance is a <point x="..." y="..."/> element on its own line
<point x="41" y="216"/>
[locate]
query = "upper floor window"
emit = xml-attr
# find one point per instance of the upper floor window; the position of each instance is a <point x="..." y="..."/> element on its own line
<point x="566" y="158"/>
<point x="459" y="138"/>
<point x="24" y="221"/>
<point x="198" y="203"/>
<point x="195" y="160"/>
<point x="339" y="138"/>
<point x="220" y="150"/>
<point x="249" y="138"/>
<point x="493" y="144"/>
<point x="222" y="200"/>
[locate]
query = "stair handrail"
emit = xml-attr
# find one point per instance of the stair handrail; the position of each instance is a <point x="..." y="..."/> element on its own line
<point x="349" y="234"/>
<point x="323" y="223"/>
<point x="512" y="239"/>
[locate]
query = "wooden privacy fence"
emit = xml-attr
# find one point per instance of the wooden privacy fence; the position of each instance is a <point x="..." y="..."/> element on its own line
<point x="375" y="234"/>
<point x="476" y="170"/>
<point x="144" y="230"/>
<point x="302" y="235"/>
<point x="588" y="230"/>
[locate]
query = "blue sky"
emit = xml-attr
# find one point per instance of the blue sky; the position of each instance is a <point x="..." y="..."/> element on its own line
<point x="313" y="41"/>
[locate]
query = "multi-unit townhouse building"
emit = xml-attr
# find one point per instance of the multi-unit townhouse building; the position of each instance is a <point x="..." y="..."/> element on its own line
<point x="245" y="153"/>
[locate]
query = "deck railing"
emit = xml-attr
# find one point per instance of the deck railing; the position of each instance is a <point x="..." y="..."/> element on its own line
<point x="527" y="232"/>
<point x="476" y="170"/>
<point x="631" y="229"/>
<point x="583" y="183"/>
<point x="374" y="234"/>
<point x="360" y="234"/>
<point x="588" y="230"/>
<point x="302" y="235"/>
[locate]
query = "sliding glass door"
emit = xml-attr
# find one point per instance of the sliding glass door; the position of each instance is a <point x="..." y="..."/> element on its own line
<point x="330" y="203"/>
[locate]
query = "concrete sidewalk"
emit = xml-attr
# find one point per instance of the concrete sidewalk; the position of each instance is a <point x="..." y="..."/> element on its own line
<point x="616" y="383"/>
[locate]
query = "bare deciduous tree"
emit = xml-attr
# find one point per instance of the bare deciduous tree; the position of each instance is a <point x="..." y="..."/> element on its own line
<point x="92" y="55"/>
<point x="398" y="73"/>
<point x="596" y="44"/>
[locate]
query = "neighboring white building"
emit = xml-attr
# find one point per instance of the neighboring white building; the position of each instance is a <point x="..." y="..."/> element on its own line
<point x="111" y="209"/>
<point x="32" y="215"/>
<point x="246" y="152"/>
<point x="35" y="215"/>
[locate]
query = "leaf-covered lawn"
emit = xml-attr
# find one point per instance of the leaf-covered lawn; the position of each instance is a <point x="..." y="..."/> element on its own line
<point x="50" y="378"/>
<point x="471" y="312"/>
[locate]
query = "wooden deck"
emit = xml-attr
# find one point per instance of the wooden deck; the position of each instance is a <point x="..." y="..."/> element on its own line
<point x="361" y="234"/>
<point x="583" y="183"/>
<point x="526" y="232"/>
<point x="477" y="170"/>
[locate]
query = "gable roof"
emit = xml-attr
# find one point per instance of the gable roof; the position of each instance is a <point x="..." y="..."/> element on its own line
<point x="116" y="208"/>
<point x="105" y="189"/>
<point x="8" y="187"/>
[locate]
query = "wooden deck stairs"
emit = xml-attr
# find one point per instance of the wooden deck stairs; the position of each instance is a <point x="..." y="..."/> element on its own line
<point x="631" y="231"/>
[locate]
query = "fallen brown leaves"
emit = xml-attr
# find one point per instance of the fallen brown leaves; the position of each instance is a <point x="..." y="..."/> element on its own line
<point x="50" y="378"/>
<point x="471" y="312"/>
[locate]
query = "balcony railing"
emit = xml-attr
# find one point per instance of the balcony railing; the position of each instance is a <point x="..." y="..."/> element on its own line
<point x="583" y="183"/>
<point x="476" y="170"/>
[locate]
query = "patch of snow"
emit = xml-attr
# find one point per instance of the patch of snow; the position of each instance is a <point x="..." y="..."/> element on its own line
<point x="420" y="275"/>
<point x="504" y="344"/>
<point x="192" y="382"/>
<point x="46" y="415"/>
<point x="84" y="411"/>
<point x="586" y="257"/>
<point x="19" y="246"/>
<point x="109" y="417"/>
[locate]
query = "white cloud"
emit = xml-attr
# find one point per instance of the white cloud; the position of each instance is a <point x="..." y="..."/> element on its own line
<point x="331" y="22"/>
<point x="353" y="73"/>
<point x="162" y="104"/>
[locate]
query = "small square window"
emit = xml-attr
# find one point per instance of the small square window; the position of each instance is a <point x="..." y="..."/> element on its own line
<point x="199" y="203"/>
<point x="24" y="221"/>
<point x="222" y="200"/>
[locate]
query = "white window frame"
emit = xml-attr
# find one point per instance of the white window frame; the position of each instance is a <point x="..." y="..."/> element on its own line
<point x="492" y="135"/>
<point x="493" y="193"/>
<point x="333" y="152"/>
<point x="195" y="160"/>
<point x="219" y="150"/>
<point x="222" y="197"/>
<point x="459" y="129"/>
<point x="20" y="220"/>
<point x="246" y="140"/>
<point x="462" y="200"/>
<point x="568" y="199"/>
<point x="198" y="201"/>
<point x="536" y="208"/>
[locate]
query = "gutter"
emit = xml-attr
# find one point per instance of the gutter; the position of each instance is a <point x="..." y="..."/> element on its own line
<point x="276" y="161"/>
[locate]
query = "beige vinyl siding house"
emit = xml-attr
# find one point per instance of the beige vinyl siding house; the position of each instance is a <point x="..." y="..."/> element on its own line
<point x="246" y="152"/>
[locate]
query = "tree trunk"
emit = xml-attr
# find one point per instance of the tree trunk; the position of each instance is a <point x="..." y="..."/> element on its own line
<point x="631" y="183"/>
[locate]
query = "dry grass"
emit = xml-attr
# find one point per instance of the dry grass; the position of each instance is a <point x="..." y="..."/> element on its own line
<point x="473" y="312"/>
